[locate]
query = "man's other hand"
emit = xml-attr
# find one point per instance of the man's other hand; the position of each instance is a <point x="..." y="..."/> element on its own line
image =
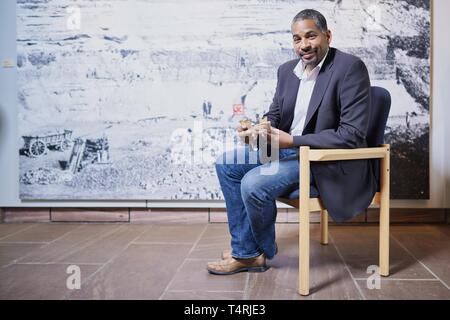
<point x="273" y="135"/>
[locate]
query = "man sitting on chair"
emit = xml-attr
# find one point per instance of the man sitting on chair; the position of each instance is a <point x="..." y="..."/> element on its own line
<point x="322" y="100"/>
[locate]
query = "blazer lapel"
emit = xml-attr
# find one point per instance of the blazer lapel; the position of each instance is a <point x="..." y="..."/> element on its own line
<point x="291" y="98"/>
<point x="322" y="81"/>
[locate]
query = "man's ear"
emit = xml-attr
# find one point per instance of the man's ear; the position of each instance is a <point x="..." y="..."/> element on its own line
<point x="329" y="36"/>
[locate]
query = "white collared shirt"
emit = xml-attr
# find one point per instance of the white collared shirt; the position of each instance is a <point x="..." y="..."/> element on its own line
<point x="305" y="90"/>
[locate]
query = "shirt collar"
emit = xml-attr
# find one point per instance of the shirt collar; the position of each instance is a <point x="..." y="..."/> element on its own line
<point x="300" y="68"/>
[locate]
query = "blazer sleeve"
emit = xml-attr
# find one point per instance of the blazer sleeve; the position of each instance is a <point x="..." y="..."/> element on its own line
<point x="274" y="114"/>
<point x="355" y="103"/>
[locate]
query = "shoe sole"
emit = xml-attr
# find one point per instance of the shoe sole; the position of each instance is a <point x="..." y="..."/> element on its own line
<point x="250" y="269"/>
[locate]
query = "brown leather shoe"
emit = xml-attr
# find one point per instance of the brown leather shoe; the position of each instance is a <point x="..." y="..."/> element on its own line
<point x="232" y="265"/>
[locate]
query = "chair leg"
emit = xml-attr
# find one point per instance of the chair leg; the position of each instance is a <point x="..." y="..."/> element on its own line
<point x="384" y="215"/>
<point x="304" y="252"/>
<point x="303" y="286"/>
<point x="324" y="227"/>
<point x="384" y="241"/>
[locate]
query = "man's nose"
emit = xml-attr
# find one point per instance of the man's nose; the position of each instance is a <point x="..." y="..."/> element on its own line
<point x="305" y="46"/>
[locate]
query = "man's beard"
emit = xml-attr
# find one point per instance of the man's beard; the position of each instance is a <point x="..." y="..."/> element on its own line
<point x="314" y="61"/>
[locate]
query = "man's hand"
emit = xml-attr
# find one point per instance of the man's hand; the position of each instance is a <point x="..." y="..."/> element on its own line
<point x="243" y="126"/>
<point x="273" y="135"/>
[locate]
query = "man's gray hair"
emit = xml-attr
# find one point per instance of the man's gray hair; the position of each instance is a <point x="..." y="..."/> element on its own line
<point x="311" y="14"/>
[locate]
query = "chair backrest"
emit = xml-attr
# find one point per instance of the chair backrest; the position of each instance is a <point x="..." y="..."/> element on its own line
<point x="381" y="105"/>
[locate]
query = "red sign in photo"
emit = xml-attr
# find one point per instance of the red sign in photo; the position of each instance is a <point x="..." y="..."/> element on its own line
<point x="238" y="108"/>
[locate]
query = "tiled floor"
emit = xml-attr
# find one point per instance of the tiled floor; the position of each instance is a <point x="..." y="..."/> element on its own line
<point x="166" y="260"/>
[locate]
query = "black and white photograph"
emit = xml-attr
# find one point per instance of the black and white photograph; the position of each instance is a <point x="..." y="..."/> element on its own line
<point x="136" y="99"/>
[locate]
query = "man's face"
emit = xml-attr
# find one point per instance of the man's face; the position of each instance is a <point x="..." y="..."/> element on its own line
<point x="310" y="43"/>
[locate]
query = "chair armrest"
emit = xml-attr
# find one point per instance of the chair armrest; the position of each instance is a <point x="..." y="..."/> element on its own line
<point x="348" y="154"/>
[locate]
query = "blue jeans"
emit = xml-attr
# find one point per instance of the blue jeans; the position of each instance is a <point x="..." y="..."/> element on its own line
<point x="250" y="189"/>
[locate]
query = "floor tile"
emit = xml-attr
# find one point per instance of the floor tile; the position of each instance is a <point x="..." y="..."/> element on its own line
<point x="202" y="295"/>
<point x="10" y="252"/>
<point x="406" y="290"/>
<point x="172" y="233"/>
<point x="358" y="246"/>
<point x="167" y="260"/>
<point x="107" y="247"/>
<point x="214" y="240"/>
<point x="44" y="232"/>
<point x="7" y="229"/>
<point x="444" y="228"/>
<point x="430" y="245"/>
<point x="219" y="215"/>
<point x="329" y="278"/>
<point x="71" y="242"/>
<point x="194" y="276"/>
<point x="139" y="272"/>
<point x="38" y="281"/>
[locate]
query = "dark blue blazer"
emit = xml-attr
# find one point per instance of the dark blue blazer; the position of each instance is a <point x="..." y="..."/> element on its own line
<point x="337" y="117"/>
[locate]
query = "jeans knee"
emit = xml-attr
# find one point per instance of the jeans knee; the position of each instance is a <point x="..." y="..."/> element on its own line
<point x="245" y="189"/>
<point x="251" y="189"/>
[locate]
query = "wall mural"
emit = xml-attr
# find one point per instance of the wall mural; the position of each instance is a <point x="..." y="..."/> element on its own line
<point x="135" y="99"/>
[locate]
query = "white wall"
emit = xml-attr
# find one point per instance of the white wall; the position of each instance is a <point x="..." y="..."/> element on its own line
<point x="440" y="124"/>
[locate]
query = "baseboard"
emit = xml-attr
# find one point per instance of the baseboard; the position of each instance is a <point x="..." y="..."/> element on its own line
<point x="89" y="215"/>
<point x="212" y="215"/>
<point x="26" y="215"/>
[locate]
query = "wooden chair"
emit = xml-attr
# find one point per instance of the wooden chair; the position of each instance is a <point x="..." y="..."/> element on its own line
<point x="307" y="199"/>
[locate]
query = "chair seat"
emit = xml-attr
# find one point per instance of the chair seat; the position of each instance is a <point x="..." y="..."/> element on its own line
<point x="313" y="193"/>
